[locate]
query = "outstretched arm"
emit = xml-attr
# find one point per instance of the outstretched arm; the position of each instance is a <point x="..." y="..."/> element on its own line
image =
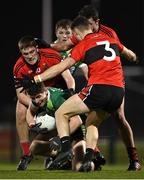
<point x="129" y="55"/>
<point x="55" y="70"/>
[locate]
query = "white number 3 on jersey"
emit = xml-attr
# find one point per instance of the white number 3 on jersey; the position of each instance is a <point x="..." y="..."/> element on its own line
<point x="108" y="48"/>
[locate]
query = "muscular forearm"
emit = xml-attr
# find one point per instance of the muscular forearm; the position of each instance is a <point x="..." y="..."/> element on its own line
<point x="54" y="70"/>
<point x="23" y="98"/>
<point x="69" y="79"/>
<point x="30" y="117"/>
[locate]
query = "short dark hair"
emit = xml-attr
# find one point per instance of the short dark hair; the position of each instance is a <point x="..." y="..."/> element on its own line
<point x="35" y="89"/>
<point x="80" y="22"/>
<point x="89" y="11"/>
<point x="27" y="41"/>
<point x="63" y="23"/>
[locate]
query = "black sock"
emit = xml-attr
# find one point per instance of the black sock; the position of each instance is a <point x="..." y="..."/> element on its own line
<point x="65" y="143"/>
<point x="89" y="154"/>
<point x="132" y="153"/>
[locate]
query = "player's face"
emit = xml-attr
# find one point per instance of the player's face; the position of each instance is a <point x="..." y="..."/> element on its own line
<point x="30" y="55"/>
<point x="63" y="34"/>
<point x="94" y="24"/>
<point x="40" y="99"/>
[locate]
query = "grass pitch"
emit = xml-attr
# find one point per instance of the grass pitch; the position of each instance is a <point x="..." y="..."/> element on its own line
<point x="36" y="171"/>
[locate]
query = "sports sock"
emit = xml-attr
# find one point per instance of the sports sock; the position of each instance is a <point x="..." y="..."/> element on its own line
<point x="132" y="153"/>
<point x="89" y="154"/>
<point x="65" y="143"/>
<point x="25" y="148"/>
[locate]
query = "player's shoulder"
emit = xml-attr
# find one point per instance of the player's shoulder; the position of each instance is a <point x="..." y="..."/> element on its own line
<point x="20" y="63"/>
<point x="108" y="31"/>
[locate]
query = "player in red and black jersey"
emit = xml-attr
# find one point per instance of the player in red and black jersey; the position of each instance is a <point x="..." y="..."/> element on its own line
<point x="33" y="62"/>
<point x="105" y="89"/>
<point x="92" y="15"/>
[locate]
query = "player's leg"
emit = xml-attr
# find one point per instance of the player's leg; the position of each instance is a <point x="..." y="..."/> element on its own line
<point x="74" y="123"/>
<point x="128" y="139"/>
<point x="99" y="159"/>
<point x="22" y="130"/>
<point x="74" y="105"/>
<point x="92" y="125"/>
<point x="41" y="145"/>
<point x="79" y="152"/>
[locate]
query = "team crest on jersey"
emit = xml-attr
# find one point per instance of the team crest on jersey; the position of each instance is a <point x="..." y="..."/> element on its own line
<point x="38" y="70"/>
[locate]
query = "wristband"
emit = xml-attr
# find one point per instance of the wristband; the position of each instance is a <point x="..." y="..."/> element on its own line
<point x="39" y="78"/>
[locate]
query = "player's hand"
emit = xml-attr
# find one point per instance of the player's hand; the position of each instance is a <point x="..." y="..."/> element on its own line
<point x="25" y="82"/>
<point x="68" y="93"/>
<point x="137" y="60"/>
<point x="55" y="144"/>
<point x="36" y="129"/>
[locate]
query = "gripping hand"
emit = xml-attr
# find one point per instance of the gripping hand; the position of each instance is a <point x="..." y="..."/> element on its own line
<point x="36" y="129"/>
<point x="68" y="93"/>
<point x="25" y="82"/>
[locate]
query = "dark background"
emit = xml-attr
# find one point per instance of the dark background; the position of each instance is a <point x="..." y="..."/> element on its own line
<point x="25" y="18"/>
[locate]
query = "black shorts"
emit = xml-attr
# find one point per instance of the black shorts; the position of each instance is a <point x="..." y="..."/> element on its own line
<point x="101" y="96"/>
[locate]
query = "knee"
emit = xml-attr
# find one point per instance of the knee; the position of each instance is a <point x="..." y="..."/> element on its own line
<point x="61" y="113"/>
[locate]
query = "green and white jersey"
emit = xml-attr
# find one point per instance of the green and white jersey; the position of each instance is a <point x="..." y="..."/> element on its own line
<point x="65" y="54"/>
<point x="54" y="100"/>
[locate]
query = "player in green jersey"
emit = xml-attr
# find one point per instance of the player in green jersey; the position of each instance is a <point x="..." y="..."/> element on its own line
<point x="63" y="33"/>
<point x="49" y="100"/>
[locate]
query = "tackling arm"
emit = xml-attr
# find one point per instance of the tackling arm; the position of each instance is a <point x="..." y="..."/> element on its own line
<point x="55" y="70"/>
<point x="62" y="46"/>
<point x="129" y="55"/>
<point x="22" y="97"/>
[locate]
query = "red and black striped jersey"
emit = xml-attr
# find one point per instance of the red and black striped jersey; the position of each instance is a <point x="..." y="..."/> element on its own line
<point x="103" y="30"/>
<point x="101" y="54"/>
<point x="48" y="58"/>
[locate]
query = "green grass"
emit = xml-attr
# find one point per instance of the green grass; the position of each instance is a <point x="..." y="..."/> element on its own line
<point x="35" y="171"/>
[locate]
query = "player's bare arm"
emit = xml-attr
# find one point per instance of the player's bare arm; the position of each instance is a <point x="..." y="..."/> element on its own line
<point x="55" y="70"/>
<point x="129" y="55"/>
<point x="23" y="98"/>
<point x="69" y="79"/>
<point x="62" y="46"/>
<point x="31" y="112"/>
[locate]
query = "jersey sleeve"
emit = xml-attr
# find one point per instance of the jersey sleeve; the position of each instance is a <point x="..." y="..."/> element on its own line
<point x="111" y="33"/>
<point x="52" y="56"/>
<point x="18" y="71"/>
<point x="78" y="52"/>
